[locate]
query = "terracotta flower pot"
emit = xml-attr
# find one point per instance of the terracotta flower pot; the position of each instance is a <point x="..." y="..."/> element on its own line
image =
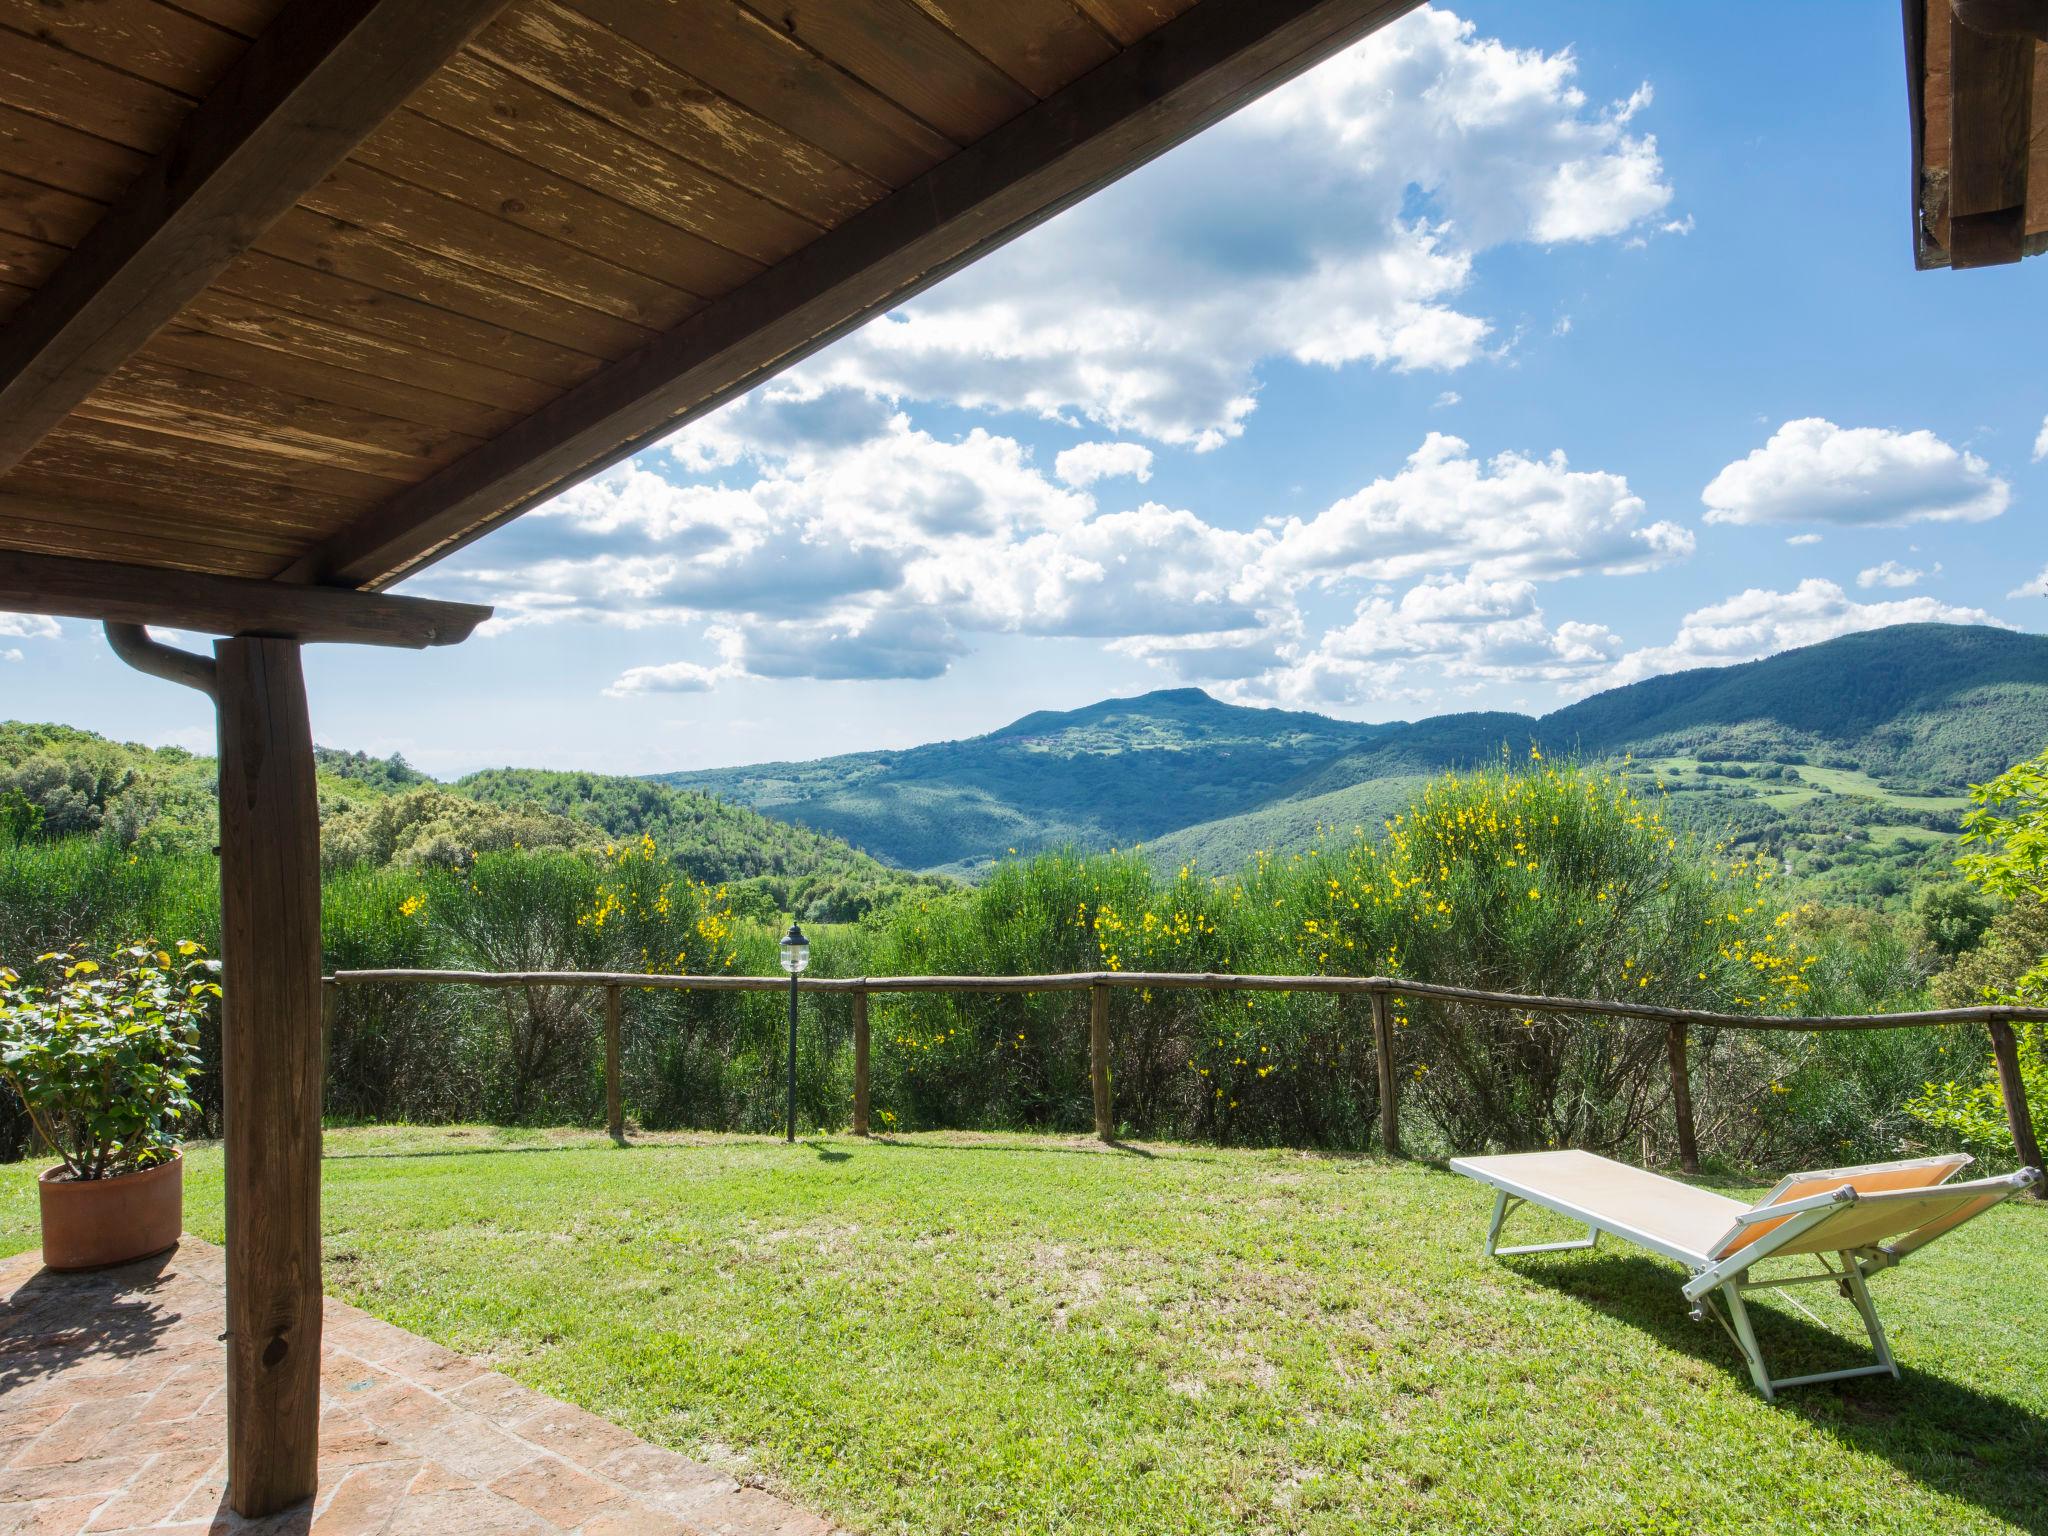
<point x="93" y="1223"/>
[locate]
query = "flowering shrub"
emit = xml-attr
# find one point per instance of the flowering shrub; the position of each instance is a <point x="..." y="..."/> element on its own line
<point x="103" y="1055"/>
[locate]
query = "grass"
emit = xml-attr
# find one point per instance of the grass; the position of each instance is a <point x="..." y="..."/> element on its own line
<point x="958" y="1333"/>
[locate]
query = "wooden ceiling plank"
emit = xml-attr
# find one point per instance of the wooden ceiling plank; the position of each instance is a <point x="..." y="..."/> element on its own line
<point x="164" y="45"/>
<point x="363" y="195"/>
<point x="479" y="98"/>
<point x="147" y="457"/>
<point x="46" y="79"/>
<point x="274" y="362"/>
<point x="180" y="402"/>
<point x="104" y="530"/>
<point x="901" y="52"/>
<point x="246" y="18"/>
<point x="42" y="536"/>
<point x="375" y="260"/>
<point x="300" y="97"/>
<point x="26" y="262"/>
<point x="1170" y="85"/>
<point x="270" y="506"/>
<point x="1041" y="44"/>
<point x="44" y="212"/>
<point x="65" y="158"/>
<point x="293" y="289"/>
<point x="740" y="55"/>
<point x="1129" y="20"/>
<point x="565" y="52"/>
<point x="223" y="314"/>
<point x="227" y="605"/>
<point x="482" y="175"/>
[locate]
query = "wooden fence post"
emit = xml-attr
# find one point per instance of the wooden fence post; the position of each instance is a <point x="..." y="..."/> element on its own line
<point x="1098" y="1059"/>
<point x="330" y="1005"/>
<point x="1383" y="1052"/>
<point x="614" y="1105"/>
<point x="2005" y="1051"/>
<point x="860" y="1063"/>
<point x="1681" y="1097"/>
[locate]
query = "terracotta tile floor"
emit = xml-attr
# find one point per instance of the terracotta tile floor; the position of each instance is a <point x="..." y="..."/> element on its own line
<point x="111" y="1420"/>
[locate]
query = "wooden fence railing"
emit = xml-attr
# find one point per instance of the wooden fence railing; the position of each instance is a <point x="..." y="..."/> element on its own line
<point x="1997" y="1019"/>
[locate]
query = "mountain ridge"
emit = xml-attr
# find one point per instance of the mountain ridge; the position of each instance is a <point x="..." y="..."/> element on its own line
<point x="1920" y="708"/>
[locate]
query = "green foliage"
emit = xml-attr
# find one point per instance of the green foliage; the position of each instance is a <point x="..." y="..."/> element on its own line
<point x="103" y="1055"/>
<point x="433" y="828"/>
<point x="1952" y="917"/>
<point x="2006" y="831"/>
<point x="1966" y="1107"/>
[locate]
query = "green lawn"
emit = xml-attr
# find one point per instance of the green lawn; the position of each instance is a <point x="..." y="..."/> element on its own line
<point x="1003" y="1333"/>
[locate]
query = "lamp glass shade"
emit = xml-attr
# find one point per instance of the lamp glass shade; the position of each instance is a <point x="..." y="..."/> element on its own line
<point x="796" y="950"/>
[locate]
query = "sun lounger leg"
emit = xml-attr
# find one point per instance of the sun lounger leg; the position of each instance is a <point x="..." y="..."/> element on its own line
<point x="1746" y="1337"/>
<point x="1500" y="1214"/>
<point x="1504" y="1203"/>
<point x="1859" y="1292"/>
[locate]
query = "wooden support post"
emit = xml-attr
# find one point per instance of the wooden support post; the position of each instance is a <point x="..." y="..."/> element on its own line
<point x="614" y="1106"/>
<point x="1098" y="1060"/>
<point x="860" y="1063"/>
<point x="1383" y="1050"/>
<point x="1681" y="1097"/>
<point x="270" y="1072"/>
<point x="2005" y="1050"/>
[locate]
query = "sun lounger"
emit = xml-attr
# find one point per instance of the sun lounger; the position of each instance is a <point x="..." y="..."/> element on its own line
<point x="1867" y="1218"/>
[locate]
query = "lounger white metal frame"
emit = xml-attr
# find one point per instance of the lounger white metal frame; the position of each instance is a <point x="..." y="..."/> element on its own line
<point x="1791" y="1227"/>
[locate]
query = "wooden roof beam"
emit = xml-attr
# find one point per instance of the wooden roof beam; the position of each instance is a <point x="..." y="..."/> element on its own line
<point x="1991" y="67"/>
<point x="1171" y="84"/>
<point x="227" y="605"/>
<point x="304" y="94"/>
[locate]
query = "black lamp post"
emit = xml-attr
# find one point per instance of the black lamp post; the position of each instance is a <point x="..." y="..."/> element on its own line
<point x="796" y="954"/>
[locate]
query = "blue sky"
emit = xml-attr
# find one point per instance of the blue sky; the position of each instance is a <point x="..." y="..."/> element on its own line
<point x="1517" y="353"/>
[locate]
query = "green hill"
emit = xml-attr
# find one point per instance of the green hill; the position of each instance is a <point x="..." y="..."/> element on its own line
<point x="1114" y="773"/>
<point x="60" y="782"/>
<point x="1834" y="755"/>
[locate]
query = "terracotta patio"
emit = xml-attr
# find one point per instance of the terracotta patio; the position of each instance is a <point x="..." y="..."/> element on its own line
<point x="113" y="1405"/>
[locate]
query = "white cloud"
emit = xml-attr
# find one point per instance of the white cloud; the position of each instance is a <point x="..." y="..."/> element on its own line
<point x="12" y="654"/>
<point x="1799" y="540"/>
<point x="29" y="626"/>
<point x="1086" y="463"/>
<point x="844" y="555"/>
<point x="2038" y="587"/>
<point x="673" y="677"/>
<point x="1469" y="627"/>
<point x="1507" y="516"/>
<point x="1759" y="622"/>
<point x="1812" y="471"/>
<point x="1448" y="398"/>
<point x="1338" y="221"/>
<point x="1890" y="574"/>
<point x="2041" y="442"/>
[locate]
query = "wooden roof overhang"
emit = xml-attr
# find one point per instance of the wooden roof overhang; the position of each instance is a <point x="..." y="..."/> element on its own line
<point x="297" y="298"/>
<point x="1977" y="83"/>
<point x="312" y="295"/>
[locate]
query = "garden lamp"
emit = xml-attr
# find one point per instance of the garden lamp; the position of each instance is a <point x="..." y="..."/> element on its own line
<point x="796" y="954"/>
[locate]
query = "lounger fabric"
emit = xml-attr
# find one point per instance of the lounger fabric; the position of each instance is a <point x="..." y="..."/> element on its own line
<point x="1865" y="1219"/>
<point x="1681" y="1217"/>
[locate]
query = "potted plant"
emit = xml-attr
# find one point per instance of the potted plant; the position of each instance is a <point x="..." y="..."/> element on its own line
<point x="102" y="1055"/>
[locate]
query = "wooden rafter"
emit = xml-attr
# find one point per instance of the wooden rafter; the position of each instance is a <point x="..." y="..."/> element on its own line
<point x="227" y="605"/>
<point x="1164" y="88"/>
<point x="303" y="95"/>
